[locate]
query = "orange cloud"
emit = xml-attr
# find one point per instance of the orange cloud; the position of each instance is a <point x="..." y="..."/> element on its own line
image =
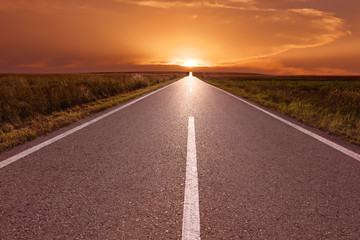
<point x="280" y="30"/>
<point x="276" y="67"/>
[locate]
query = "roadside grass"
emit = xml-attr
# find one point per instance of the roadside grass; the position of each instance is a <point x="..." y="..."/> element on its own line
<point x="329" y="103"/>
<point x="34" y="105"/>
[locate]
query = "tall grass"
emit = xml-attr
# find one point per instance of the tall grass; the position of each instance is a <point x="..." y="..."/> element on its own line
<point x="328" y="103"/>
<point x="30" y="103"/>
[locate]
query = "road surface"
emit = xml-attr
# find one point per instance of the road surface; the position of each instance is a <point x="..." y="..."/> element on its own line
<point x="187" y="162"/>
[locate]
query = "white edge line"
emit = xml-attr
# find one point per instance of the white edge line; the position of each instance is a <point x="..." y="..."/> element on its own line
<point x="301" y="129"/>
<point x="71" y="131"/>
<point x="191" y="214"/>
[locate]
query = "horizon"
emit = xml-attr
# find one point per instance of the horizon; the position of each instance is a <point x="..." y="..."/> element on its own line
<point x="214" y="71"/>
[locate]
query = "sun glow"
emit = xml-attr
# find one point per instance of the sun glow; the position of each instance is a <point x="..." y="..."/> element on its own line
<point x="190" y="63"/>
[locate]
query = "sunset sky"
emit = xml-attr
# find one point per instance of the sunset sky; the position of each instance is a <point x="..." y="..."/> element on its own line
<point x="262" y="36"/>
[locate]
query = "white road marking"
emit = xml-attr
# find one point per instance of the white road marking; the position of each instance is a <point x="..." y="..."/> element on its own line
<point x="336" y="146"/>
<point x="191" y="89"/>
<point x="71" y="131"/>
<point x="191" y="215"/>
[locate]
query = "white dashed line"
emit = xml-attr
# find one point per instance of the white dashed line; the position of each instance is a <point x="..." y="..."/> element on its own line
<point x="191" y="215"/>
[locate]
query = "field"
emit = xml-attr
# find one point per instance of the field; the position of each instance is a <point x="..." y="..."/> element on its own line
<point x="33" y="105"/>
<point x="330" y="103"/>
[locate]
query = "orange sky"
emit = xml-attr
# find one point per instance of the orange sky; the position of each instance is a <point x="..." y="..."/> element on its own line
<point x="264" y="36"/>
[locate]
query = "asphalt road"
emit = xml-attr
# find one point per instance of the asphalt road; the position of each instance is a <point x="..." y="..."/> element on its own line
<point x="123" y="177"/>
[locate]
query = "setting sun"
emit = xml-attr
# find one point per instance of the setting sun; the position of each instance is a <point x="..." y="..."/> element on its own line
<point x="190" y="63"/>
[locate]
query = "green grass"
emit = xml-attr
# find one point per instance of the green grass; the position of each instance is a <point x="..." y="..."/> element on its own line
<point x="33" y="105"/>
<point x="330" y="103"/>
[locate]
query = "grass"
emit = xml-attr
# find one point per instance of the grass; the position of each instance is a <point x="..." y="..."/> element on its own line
<point x="34" y="105"/>
<point x="329" y="103"/>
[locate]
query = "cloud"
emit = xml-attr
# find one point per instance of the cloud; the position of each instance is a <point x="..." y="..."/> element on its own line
<point x="189" y="3"/>
<point x="240" y="4"/>
<point x="277" y="67"/>
<point x="280" y="29"/>
<point x="277" y="31"/>
<point x="167" y="4"/>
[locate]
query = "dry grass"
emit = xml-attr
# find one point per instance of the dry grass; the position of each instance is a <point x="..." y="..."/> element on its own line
<point x="33" y="105"/>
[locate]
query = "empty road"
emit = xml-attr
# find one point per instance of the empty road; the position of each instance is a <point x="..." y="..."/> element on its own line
<point x="187" y="162"/>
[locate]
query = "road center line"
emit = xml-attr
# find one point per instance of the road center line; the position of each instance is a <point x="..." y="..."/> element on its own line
<point x="71" y="131"/>
<point x="191" y="215"/>
<point x="336" y="146"/>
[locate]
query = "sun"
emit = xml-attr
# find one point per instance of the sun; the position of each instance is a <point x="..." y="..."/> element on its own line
<point x="190" y="63"/>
